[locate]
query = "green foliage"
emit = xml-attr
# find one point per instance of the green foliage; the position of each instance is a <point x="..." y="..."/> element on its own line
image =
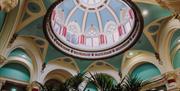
<point x="74" y="82"/>
<point x="132" y="83"/>
<point x="106" y="83"/>
<point x="102" y="81"/>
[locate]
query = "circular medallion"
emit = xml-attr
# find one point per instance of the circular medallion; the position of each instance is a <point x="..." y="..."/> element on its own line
<point x="93" y="29"/>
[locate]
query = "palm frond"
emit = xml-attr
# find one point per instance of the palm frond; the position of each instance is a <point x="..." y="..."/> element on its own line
<point x="102" y="81"/>
<point x="74" y="82"/>
<point x="133" y="83"/>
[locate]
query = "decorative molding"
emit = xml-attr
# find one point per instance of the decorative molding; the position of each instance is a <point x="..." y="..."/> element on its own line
<point x="32" y="16"/>
<point x="128" y="65"/>
<point x="27" y="44"/>
<point x="10" y="24"/>
<point x="169" y="79"/>
<point x="103" y="67"/>
<point x="12" y="39"/>
<point x="58" y="64"/>
<point x="155" y="82"/>
<point x="23" y="62"/>
<point x="146" y="1"/>
<point x="13" y="80"/>
<point x="154" y="42"/>
<point x="167" y="30"/>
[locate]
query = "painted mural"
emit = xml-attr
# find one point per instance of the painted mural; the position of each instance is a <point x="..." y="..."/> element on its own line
<point x="91" y="25"/>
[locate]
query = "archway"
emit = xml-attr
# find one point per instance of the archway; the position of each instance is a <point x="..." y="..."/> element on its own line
<point x="16" y="77"/>
<point x="146" y="71"/>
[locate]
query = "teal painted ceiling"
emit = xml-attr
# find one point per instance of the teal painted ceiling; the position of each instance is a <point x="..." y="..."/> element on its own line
<point x="35" y="29"/>
<point x="154" y="12"/>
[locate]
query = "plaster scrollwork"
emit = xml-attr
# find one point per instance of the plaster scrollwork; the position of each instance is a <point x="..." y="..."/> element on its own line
<point x="8" y="5"/>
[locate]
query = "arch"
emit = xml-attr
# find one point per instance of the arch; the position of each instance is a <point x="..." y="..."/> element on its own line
<point x="167" y="29"/>
<point x="138" y="58"/>
<point x="65" y="63"/>
<point x="146" y="71"/>
<point x="15" y="71"/>
<point x="58" y="74"/>
<point x="19" y="52"/>
<point x="103" y="67"/>
<point x="20" y="61"/>
<point x="27" y="44"/>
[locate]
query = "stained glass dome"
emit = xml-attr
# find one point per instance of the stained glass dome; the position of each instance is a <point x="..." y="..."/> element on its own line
<point x="93" y="29"/>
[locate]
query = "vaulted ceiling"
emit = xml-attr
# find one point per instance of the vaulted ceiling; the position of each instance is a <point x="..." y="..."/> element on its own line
<point x="33" y="26"/>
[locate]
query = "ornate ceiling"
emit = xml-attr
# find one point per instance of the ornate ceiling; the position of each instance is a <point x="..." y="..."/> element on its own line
<point x="93" y="29"/>
<point x="31" y="25"/>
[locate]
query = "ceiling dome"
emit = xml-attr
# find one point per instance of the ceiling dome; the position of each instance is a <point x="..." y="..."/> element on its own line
<point x="93" y="28"/>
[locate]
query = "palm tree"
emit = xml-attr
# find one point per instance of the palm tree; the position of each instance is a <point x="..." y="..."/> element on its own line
<point x="70" y="84"/>
<point x="73" y="83"/>
<point x="102" y="81"/>
<point x="106" y="83"/>
<point x="133" y="83"/>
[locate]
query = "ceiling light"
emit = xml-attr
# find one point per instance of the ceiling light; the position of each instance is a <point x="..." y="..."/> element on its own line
<point x="145" y="13"/>
<point x="131" y="54"/>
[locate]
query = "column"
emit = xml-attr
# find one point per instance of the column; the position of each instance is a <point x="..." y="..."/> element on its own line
<point x="9" y="28"/>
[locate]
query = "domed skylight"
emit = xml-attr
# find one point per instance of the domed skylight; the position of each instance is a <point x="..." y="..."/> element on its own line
<point x="93" y="29"/>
